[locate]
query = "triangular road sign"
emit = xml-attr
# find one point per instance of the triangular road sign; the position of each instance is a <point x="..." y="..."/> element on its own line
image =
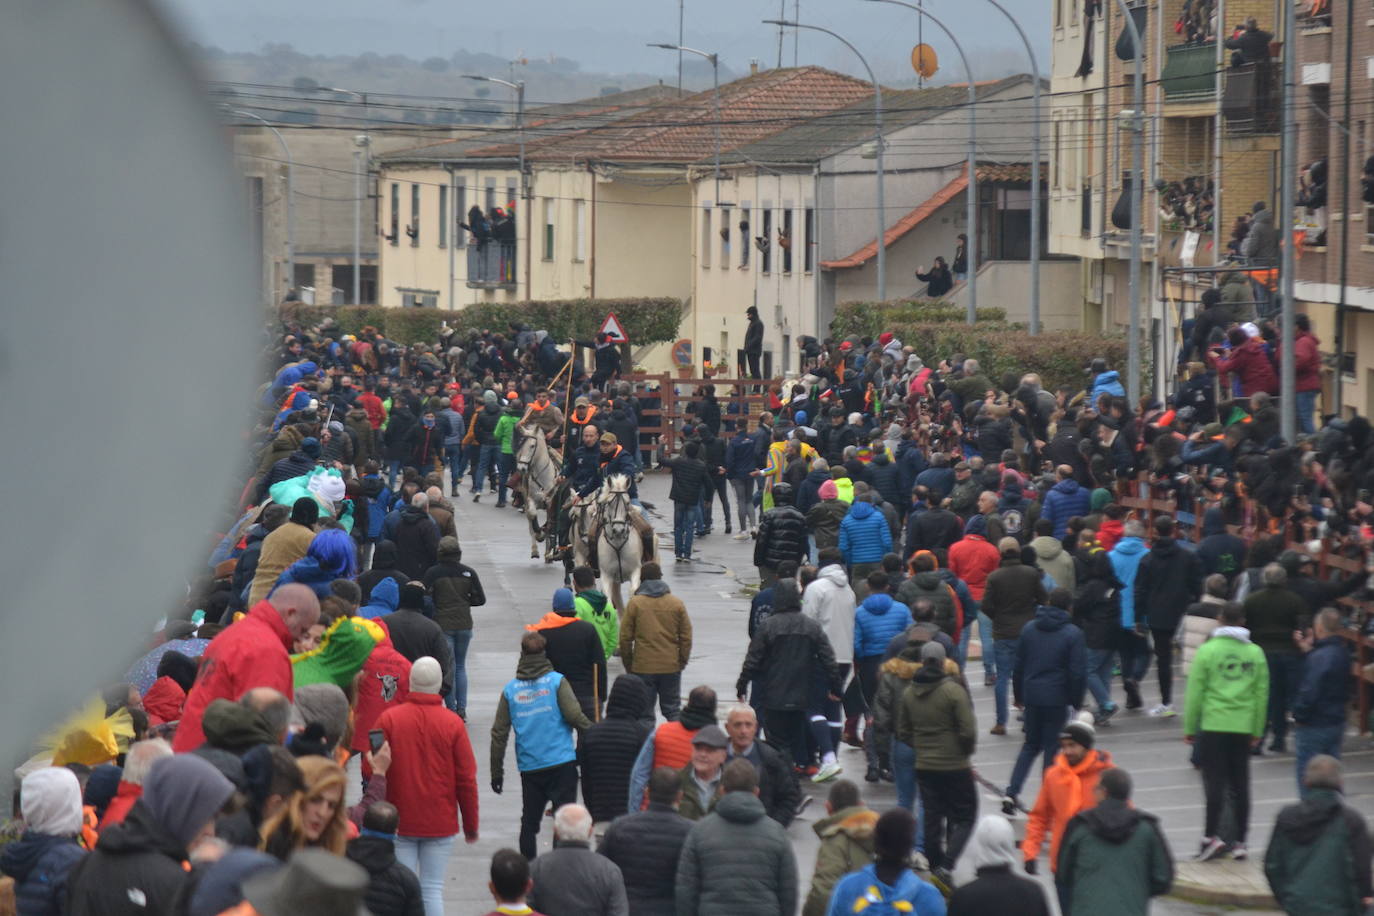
<point x="614" y="330"/>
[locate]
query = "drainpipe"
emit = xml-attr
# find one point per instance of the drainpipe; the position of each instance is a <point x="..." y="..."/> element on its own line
<point x="591" y="238"/>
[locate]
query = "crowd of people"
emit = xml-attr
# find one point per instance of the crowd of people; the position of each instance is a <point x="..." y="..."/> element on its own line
<point x="893" y="508"/>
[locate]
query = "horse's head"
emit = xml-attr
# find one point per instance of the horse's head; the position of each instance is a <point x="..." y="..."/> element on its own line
<point x="528" y="445"/>
<point x="616" y="484"/>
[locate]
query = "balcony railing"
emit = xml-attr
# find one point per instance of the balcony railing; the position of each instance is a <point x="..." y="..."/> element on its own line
<point x="1250" y="101"/>
<point x="1190" y="72"/>
<point x="491" y="265"/>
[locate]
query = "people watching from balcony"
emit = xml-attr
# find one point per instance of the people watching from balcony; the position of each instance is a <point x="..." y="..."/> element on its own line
<point x="1251" y="45"/>
<point x="1186" y="204"/>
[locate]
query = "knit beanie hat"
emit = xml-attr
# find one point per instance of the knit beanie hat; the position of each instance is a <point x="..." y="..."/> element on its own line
<point x="325" y="705"/>
<point x="1080" y="730"/>
<point x="426" y="676"/>
<point x="311" y="446"/>
<point x="829" y="490"/>
<point x="1100" y="497"/>
<point x="933" y="653"/>
<point x="563" y="600"/>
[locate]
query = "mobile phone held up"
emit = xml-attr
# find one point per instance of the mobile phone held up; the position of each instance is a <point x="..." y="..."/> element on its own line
<point x="375" y="739"/>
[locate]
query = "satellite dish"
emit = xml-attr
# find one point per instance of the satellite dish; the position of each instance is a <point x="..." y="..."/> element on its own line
<point x="925" y="61"/>
<point x="135" y="322"/>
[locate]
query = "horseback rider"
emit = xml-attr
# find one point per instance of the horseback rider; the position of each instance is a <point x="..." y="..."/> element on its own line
<point x="544" y="415"/>
<point x="582" y="476"/>
<point x="583" y="415"/>
<point x="616" y="459"/>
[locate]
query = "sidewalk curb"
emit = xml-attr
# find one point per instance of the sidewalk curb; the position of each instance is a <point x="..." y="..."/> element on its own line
<point x="1238" y="884"/>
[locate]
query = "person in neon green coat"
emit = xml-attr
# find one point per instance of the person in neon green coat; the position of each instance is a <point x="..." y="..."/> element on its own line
<point x="504" y="434"/>
<point x="595" y="608"/>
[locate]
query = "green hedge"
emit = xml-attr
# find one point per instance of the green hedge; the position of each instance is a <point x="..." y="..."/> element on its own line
<point x="1059" y="357"/>
<point x="869" y="319"/>
<point x="647" y="321"/>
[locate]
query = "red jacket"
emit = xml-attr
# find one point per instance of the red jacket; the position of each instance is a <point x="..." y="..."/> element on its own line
<point x="1251" y="364"/>
<point x="249" y="653"/>
<point x="971" y="558"/>
<point x="1308" y="365"/>
<point x="432" y="768"/>
<point x="385" y="683"/>
<point x="376" y="413"/>
<point x="119" y="806"/>
<point x="163" y="701"/>
<point x="1109" y="532"/>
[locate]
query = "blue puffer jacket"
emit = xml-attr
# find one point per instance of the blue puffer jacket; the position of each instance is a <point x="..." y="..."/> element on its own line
<point x="864" y="535"/>
<point x="876" y="621"/>
<point x="1126" y="557"/>
<point x="1051" y="661"/>
<point x="1106" y="383"/>
<point x="39" y="864"/>
<point x="1065" y="500"/>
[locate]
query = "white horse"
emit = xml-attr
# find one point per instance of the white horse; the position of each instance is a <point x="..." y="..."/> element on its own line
<point x="537" y="469"/>
<point x="583" y="517"/>
<point x="619" y="548"/>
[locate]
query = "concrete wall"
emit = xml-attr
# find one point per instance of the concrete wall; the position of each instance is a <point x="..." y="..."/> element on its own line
<point x="1004" y="284"/>
<point x="918" y="248"/>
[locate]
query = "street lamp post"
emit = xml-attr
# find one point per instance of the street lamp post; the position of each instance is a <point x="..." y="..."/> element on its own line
<point x="971" y="195"/>
<point x="1035" y="169"/>
<point x="290" y="189"/>
<point x="1137" y="129"/>
<point x="1288" y="425"/>
<point x="362" y="143"/>
<point x="877" y="136"/>
<point x="518" y="86"/>
<point x="715" y="90"/>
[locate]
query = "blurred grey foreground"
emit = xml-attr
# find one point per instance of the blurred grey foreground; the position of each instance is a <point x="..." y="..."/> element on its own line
<point x="126" y="347"/>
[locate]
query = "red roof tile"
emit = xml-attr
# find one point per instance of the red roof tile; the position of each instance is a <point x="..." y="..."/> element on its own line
<point x="903" y="225"/>
<point x="683" y="130"/>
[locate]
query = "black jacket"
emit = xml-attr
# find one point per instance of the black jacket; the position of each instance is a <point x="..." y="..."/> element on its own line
<point x="646" y="845"/>
<point x="1097" y="605"/>
<point x="884" y="477"/>
<point x="1319" y="594"/>
<point x="1168" y="580"/>
<point x="783" y="656"/>
<point x="1219" y="550"/>
<point x="778" y="789"/>
<point x="932" y="529"/>
<point x="383" y="567"/>
<point x="753" y="337"/>
<point x="392" y="889"/>
<point x="809" y="492"/>
<point x="1324" y="689"/>
<point x="400" y="429"/>
<point x="782" y="536"/>
<point x="417" y="542"/>
<point x="575" y="651"/>
<point x="992" y="892"/>
<point x="689" y="479"/>
<point x="135" y="870"/>
<point x="609" y="749"/>
<point x="414" y="635"/>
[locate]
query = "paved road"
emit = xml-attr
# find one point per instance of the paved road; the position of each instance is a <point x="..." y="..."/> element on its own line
<point x="496" y="544"/>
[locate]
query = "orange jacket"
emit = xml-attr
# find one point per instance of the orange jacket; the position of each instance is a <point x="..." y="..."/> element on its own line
<point x="1065" y="791"/>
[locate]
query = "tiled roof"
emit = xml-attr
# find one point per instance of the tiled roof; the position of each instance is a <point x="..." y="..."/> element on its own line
<point x="1012" y="173"/>
<point x="903" y="225"/>
<point x="676" y="130"/>
<point x="544" y="122"/>
<point x="850" y="126"/>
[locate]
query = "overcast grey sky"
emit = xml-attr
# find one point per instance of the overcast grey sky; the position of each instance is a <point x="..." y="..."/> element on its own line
<point x="609" y="35"/>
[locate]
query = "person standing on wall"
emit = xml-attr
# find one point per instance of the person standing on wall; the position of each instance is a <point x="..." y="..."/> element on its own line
<point x="753" y="342"/>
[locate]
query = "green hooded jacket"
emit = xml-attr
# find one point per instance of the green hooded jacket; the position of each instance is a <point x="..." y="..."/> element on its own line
<point x="595" y="608"/>
<point x="1228" y="685"/>
<point x="1318" y="857"/>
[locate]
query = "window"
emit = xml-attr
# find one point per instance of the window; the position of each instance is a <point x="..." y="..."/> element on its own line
<point x="766" y="245"/>
<point x="706" y="243"/>
<point x="548" y="228"/>
<point x="510" y="195"/>
<point x="367" y="283"/>
<point x="460" y="213"/>
<point x="786" y="352"/>
<point x="1059" y="13"/>
<point x="418" y="298"/>
<point x="443" y="216"/>
<point x="394" y="237"/>
<point x="745" y="240"/>
<point x="808" y="243"/>
<point x="490" y="203"/>
<point x="1056" y="155"/>
<point x="785" y="240"/>
<point x="579" y="230"/>
<point x="413" y="230"/>
<point x="725" y="231"/>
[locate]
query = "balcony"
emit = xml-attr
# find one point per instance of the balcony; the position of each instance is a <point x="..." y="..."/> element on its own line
<point x="1190" y="73"/>
<point x="1250" y="101"/>
<point x="491" y="265"/>
<point x="1313" y="17"/>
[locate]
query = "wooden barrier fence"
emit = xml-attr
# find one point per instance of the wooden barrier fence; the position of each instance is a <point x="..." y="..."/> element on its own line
<point x="1144" y="500"/>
